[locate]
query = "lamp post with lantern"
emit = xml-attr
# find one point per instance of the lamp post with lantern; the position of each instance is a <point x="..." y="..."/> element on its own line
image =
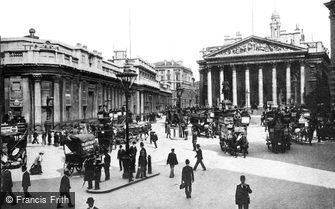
<point x="127" y="79"/>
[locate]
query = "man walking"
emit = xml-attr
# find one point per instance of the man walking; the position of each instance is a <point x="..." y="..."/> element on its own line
<point x="26" y="182"/>
<point x="172" y="160"/>
<point x="142" y="161"/>
<point x="199" y="159"/>
<point x="194" y="138"/>
<point x="154" y="139"/>
<point x="64" y="190"/>
<point x="120" y="154"/>
<point x="107" y="162"/>
<point x="35" y="135"/>
<point x="187" y="177"/>
<point x="242" y="198"/>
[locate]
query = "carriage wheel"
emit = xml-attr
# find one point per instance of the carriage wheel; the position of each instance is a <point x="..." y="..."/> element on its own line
<point x="79" y="168"/>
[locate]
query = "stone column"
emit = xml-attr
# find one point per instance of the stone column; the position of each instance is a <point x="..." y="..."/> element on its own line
<point x="56" y="102"/>
<point x="37" y="102"/>
<point x="234" y="85"/>
<point x="80" y="105"/>
<point x="26" y="108"/>
<point x="288" y="83"/>
<point x="109" y="97"/>
<point x="302" y="82"/>
<point x="138" y="103"/>
<point x="142" y="105"/>
<point x="247" y="87"/>
<point x="274" y="85"/>
<point x="209" y="88"/>
<point x="260" y="87"/>
<point x="221" y="84"/>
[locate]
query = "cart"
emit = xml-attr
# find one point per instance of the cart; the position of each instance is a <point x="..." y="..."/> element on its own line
<point x="77" y="149"/>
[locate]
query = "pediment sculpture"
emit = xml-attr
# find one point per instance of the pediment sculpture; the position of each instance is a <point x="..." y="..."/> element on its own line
<point x="253" y="47"/>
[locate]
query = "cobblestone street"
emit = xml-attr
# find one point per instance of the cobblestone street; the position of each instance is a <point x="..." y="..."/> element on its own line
<point x="303" y="177"/>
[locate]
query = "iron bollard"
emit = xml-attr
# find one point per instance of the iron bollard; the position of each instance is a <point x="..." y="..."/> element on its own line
<point x="149" y="165"/>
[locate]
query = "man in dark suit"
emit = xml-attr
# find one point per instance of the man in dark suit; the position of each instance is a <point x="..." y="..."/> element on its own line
<point x="120" y="154"/>
<point x="187" y="177"/>
<point x="133" y="152"/>
<point x="97" y="173"/>
<point x="7" y="186"/>
<point x="64" y="190"/>
<point x="107" y="162"/>
<point x="172" y="160"/>
<point x="26" y="181"/>
<point x="142" y="161"/>
<point x="89" y="172"/>
<point x="242" y="198"/>
<point x="199" y="159"/>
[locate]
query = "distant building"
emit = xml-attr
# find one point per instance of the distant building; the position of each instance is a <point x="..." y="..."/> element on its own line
<point x="51" y="83"/>
<point x="281" y="69"/>
<point x="173" y="72"/>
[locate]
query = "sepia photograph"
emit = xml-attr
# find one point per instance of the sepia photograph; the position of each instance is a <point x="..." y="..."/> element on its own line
<point x="167" y="104"/>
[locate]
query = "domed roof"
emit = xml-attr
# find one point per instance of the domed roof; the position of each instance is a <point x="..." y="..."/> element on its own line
<point x="275" y="14"/>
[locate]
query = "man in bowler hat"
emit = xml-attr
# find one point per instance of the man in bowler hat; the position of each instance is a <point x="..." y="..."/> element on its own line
<point x="25" y="181"/>
<point x="242" y="198"/>
<point x="90" y="203"/>
<point x="172" y="160"/>
<point x="187" y="177"/>
<point x="199" y="158"/>
<point x="64" y="190"/>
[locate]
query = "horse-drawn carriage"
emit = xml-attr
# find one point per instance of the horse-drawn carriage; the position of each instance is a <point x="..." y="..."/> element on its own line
<point x="78" y="148"/>
<point x="233" y="136"/>
<point x="13" y="145"/>
<point x="277" y="134"/>
<point x="300" y="126"/>
<point x="136" y="132"/>
<point x="202" y="123"/>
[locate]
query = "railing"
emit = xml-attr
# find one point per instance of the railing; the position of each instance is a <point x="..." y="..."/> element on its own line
<point x="56" y="58"/>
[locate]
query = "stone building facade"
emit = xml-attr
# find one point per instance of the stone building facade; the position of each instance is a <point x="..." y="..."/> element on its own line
<point x="331" y="6"/>
<point x="281" y="69"/>
<point x="51" y="83"/>
<point x="173" y="73"/>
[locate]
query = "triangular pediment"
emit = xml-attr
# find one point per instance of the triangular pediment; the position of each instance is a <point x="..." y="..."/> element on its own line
<point x="254" y="45"/>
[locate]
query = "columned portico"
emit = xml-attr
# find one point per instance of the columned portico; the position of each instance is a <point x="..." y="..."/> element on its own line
<point x="260" y="86"/>
<point x="288" y="83"/>
<point x="274" y="85"/>
<point x="280" y="75"/>
<point x="209" y="86"/>
<point x="247" y="87"/>
<point x="234" y="85"/>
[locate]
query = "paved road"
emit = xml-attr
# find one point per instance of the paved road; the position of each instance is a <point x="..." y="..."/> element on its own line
<point x="304" y="177"/>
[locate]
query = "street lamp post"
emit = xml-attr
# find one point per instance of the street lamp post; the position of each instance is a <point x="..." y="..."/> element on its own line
<point x="127" y="79"/>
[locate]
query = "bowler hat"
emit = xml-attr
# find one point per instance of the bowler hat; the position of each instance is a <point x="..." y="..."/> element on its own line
<point x="90" y="200"/>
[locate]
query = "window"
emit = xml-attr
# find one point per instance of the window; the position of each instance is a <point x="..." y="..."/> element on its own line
<point x="83" y="59"/>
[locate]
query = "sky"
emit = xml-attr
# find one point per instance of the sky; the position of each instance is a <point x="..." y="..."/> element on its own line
<point x="160" y="29"/>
